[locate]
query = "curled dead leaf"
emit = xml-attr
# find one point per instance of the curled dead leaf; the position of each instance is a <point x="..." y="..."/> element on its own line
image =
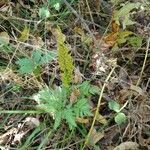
<point x="77" y="76"/>
<point x="82" y="120"/>
<point x="101" y="119"/>
<point x="74" y="95"/>
<point x="95" y="137"/>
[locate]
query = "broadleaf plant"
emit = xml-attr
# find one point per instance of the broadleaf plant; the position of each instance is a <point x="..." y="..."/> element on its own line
<point x="120" y="117"/>
<point x="122" y="16"/>
<point x="31" y="64"/>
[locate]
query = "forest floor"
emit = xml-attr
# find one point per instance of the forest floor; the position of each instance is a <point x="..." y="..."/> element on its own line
<point x="74" y="75"/>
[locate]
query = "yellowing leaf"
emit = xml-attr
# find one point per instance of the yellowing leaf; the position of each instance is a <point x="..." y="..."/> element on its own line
<point x="101" y="119"/>
<point x="64" y="59"/>
<point x="111" y="39"/>
<point x="84" y="37"/>
<point x="122" y="36"/>
<point x="82" y="120"/>
<point x="114" y="26"/>
<point x="24" y="34"/>
<point x="79" y="31"/>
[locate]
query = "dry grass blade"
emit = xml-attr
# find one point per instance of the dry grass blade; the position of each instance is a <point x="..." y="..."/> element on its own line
<point x="98" y="106"/>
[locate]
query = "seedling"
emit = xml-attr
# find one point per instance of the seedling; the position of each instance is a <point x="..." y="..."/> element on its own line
<point x="120" y="117"/>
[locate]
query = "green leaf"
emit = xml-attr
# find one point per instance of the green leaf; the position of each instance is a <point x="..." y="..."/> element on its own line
<point x="44" y="13"/>
<point x="135" y="41"/>
<point x="127" y="22"/>
<point x="26" y="65"/>
<point x="57" y="6"/>
<point x="29" y="65"/>
<point x="124" y="14"/>
<point x="94" y="90"/>
<point x="58" y="118"/>
<point x="120" y="118"/>
<point x="85" y="88"/>
<point x="36" y="56"/>
<point x="82" y="108"/>
<point x="70" y="117"/>
<point x="122" y="36"/>
<point x="47" y="57"/>
<point x="114" y="106"/>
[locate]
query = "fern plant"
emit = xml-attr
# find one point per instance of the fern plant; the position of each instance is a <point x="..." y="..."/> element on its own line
<point x="56" y="103"/>
<point x="64" y="59"/>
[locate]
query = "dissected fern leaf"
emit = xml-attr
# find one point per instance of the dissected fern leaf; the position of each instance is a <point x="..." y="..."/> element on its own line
<point x="64" y="59"/>
<point x="82" y="108"/>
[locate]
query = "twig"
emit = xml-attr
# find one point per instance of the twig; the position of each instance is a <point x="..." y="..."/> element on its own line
<point x="97" y="108"/>
<point x="83" y="22"/>
<point x="90" y="13"/>
<point x="144" y="63"/>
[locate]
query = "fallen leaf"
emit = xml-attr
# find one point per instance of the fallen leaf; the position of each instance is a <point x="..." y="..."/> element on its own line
<point x="4" y="38"/>
<point x="101" y="119"/>
<point x="95" y="137"/>
<point x="77" y="76"/>
<point x="111" y="38"/>
<point x="18" y="137"/>
<point x="74" y="95"/>
<point x="32" y="121"/>
<point x="136" y="89"/>
<point x="24" y="34"/>
<point x="127" y="146"/>
<point x="82" y="120"/>
<point x="4" y="137"/>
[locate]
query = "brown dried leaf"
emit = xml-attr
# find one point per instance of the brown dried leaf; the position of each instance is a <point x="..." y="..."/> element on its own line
<point x="101" y="119"/>
<point x="77" y="76"/>
<point x="82" y="120"/>
<point x="4" y="137"/>
<point x="137" y="89"/>
<point x="95" y="137"/>
<point x="127" y="146"/>
<point x="74" y="95"/>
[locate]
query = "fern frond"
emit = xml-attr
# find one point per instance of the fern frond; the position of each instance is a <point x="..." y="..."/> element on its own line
<point x="64" y="59"/>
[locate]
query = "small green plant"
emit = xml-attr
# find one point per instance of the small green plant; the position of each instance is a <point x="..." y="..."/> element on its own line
<point x="44" y="13"/>
<point x="120" y="117"/>
<point x="56" y="4"/>
<point x="57" y="103"/>
<point x="64" y="59"/>
<point x="32" y="65"/>
<point x="122" y="16"/>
